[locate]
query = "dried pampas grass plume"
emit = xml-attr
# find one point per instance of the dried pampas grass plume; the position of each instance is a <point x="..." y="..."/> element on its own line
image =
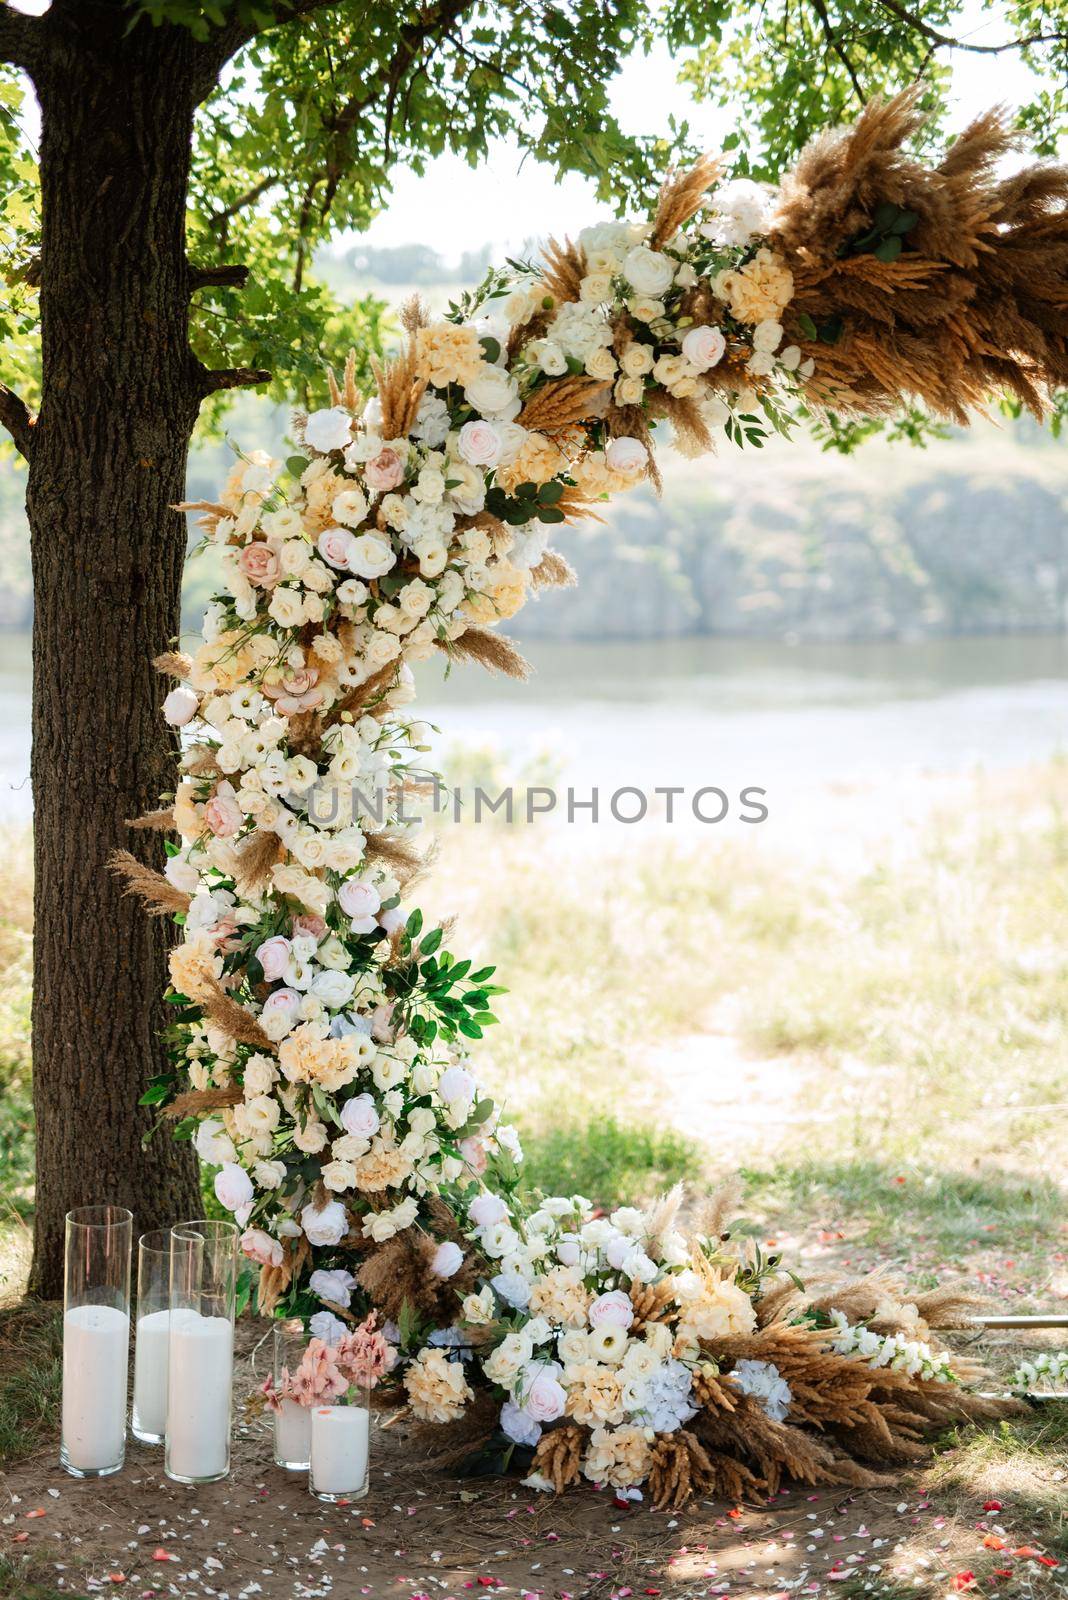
<point x="553" y="571"/>
<point x="160" y="896"/>
<point x="231" y="1016"/>
<point x="173" y="664"/>
<point x="559" y="1455"/>
<point x="345" y="393"/>
<point x="254" y="858"/>
<point x="492" y="651"/>
<point x="196" y="1101"/>
<point x="563" y="269"/>
<point x="161" y="821"/>
<point x="681" y="197"/>
<point x="559" y="403"/>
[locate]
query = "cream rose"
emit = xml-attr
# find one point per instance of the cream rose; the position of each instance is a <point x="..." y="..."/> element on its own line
<point x="371" y="556"/>
<point x="648" y="271"/>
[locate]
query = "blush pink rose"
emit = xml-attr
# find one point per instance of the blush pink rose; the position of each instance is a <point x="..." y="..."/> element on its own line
<point x="273" y="956"/>
<point x="479" y="444"/>
<point x="260" y="564"/>
<point x="358" y="898"/>
<point x="381" y="1023"/>
<point x="545" y="1399"/>
<point x="474" y="1155"/>
<point x="359" y="1117"/>
<point x="336" y="545"/>
<point x="309" y="924"/>
<point x="611" y="1310"/>
<point x="222" y="812"/>
<point x="259" y="1246"/>
<point x="703" y="347"/>
<point x="385" y="471"/>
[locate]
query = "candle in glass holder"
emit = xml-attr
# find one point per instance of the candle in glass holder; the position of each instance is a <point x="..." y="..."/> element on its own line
<point x="199" y="1373"/>
<point x="339" y="1447"/>
<point x="96" y="1346"/>
<point x="292" y="1422"/>
<point x="292" y="1436"/>
<point x="200" y="1350"/>
<point x="96" y="1339"/>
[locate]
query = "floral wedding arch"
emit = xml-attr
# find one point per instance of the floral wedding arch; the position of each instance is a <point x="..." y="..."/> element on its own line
<point x="322" y="1038"/>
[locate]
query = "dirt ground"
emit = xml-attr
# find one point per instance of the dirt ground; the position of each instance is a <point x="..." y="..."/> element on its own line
<point x="421" y="1535"/>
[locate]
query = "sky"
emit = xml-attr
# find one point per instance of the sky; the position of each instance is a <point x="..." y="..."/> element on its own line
<point x="453" y="207"/>
<point x="510" y="199"/>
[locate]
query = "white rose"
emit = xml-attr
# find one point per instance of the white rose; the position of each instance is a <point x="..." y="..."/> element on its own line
<point x="325" y="1326"/>
<point x="325" y="1226"/>
<point x="350" y="507"/>
<point x="487" y="1209"/>
<point x="703" y="347"/>
<point x="371" y="556"/>
<point x="648" y="271"/>
<point x="269" y="1174"/>
<point x="287" y="607"/>
<point x="213" y="1144"/>
<point x="767" y="335"/>
<point x="233" y="1186"/>
<point x="456" y="1086"/>
<point x="628" y="457"/>
<point x="336" y="1285"/>
<point x="447" y="1260"/>
<point x="492" y="391"/>
<point x="180" y="706"/>
<point x="330" y="429"/>
<point x="333" y="988"/>
<point x="359" y="1117"/>
<point x="336" y="546"/>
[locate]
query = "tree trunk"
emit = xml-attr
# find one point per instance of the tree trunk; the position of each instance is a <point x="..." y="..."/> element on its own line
<point x="119" y="402"/>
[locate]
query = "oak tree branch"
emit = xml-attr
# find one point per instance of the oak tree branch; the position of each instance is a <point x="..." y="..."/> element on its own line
<point x="16" y="418"/>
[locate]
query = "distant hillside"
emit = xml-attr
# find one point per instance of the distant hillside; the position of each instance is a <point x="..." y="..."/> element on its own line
<point x="970" y="536"/>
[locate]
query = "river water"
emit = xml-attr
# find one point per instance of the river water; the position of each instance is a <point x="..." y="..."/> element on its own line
<point x="793" y="720"/>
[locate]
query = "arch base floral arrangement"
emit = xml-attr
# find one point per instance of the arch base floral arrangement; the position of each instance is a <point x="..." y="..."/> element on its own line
<point x="323" y="1039"/>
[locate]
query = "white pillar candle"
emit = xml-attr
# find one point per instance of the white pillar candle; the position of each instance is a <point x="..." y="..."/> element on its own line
<point x="96" y="1349"/>
<point x="292" y="1435"/>
<point x="199" y="1379"/>
<point x="339" y="1450"/>
<point x="150" y="1373"/>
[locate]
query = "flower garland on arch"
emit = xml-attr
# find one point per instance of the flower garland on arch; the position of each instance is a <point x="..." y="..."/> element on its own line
<point x="322" y="1037"/>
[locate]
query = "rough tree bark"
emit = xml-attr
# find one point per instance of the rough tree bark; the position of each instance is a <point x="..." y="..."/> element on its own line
<point x="120" y="396"/>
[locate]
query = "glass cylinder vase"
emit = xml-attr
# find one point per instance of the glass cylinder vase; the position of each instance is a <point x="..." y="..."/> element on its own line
<point x="292" y="1422"/>
<point x="150" y="1337"/>
<point x="96" y="1339"/>
<point x="200" y="1350"/>
<point x="340" y="1447"/>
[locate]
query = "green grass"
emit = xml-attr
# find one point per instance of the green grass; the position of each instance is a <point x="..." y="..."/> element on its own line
<point x="31" y="1376"/>
<point x="17" y="1582"/>
<point x="607" y="1161"/>
<point x="887" y="1207"/>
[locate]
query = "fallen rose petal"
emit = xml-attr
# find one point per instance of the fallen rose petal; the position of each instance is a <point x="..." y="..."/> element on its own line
<point x="991" y="1505"/>
<point x="159" y="1554"/>
<point x="963" y="1580"/>
<point x="992" y="1542"/>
